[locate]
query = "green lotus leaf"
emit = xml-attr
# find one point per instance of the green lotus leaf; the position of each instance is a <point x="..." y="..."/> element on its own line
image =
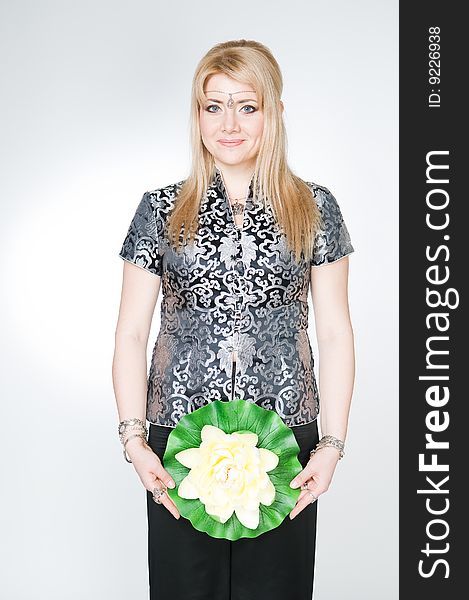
<point x="244" y="417"/>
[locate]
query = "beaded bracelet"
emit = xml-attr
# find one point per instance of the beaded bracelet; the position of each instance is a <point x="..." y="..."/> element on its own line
<point x="131" y="424"/>
<point x="127" y="426"/>
<point x="330" y="440"/>
<point x="127" y="458"/>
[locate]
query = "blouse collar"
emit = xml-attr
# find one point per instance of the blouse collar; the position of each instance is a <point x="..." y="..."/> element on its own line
<point x="219" y="183"/>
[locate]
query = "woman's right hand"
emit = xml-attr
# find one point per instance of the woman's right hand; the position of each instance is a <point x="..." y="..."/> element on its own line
<point x="150" y="470"/>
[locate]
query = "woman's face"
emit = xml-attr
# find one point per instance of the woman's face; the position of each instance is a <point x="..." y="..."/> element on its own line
<point x="242" y="123"/>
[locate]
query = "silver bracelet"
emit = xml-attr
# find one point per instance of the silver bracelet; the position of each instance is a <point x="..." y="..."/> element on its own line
<point x="131" y="424"/>
<point x="331" y="441"/>
<point x="142" y="435"/>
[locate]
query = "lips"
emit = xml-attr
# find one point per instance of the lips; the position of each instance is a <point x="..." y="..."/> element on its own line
<point x="230" y="143"/>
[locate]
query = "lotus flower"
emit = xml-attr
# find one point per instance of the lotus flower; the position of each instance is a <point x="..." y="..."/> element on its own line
<point x="232" y="462"/>
<point x="228" y="473"/>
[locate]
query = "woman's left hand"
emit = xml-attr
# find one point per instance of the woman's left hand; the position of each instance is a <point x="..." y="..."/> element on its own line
<point x="317" y="476"/>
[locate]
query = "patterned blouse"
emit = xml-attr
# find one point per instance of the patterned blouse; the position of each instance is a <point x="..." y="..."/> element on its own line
<point x="238" y="289"/>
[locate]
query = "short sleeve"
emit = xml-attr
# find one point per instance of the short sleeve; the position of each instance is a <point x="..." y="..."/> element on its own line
<point x="332" y="240"/>
<point x="141" y="245"/>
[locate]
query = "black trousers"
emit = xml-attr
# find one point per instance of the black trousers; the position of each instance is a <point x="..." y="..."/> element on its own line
<point x="186" y="564"/>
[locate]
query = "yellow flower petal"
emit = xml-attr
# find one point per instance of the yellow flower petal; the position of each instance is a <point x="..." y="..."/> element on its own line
<point x="249" y="518"/>
<point x="187" y="489"/>
<point x="250" y="503"/>
<point x="269" y="459"/>
<point x="267" y="494"/>
<point x="212" y="433"/>
<point x="190" y="458"/>
<point x="249" y="439"/>
<point x="222" y="512"/>
<point x="215" y="455"/>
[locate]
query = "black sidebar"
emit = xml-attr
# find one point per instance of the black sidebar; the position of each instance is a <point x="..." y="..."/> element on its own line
<point x="434" y="357"/>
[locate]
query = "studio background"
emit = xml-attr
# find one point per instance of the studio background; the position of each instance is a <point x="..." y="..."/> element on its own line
<point x="94" y="112"/>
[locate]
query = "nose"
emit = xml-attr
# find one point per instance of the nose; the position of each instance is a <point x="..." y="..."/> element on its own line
<point x="230" y="122"/>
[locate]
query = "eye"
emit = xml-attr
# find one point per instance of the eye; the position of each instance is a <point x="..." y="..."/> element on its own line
<point x="254" y="109"/>
<point x="211" y="106"/>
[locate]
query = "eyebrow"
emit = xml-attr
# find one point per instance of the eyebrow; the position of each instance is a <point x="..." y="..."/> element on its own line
<point x="236" y="101"/>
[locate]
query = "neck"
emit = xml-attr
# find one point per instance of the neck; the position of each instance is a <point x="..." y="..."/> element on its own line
<point x="236" y="179"/>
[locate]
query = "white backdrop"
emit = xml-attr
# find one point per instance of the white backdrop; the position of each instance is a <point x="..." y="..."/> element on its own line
<point x="94" y="112"/>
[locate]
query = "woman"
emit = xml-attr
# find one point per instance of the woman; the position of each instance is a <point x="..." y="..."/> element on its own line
<point x="236" y="245"/>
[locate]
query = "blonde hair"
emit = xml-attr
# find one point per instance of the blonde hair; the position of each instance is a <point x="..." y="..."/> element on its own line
<point x="291" y="198"/>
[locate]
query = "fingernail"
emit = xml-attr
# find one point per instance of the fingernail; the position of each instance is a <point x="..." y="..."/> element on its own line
<point x="171" y="484"/>
<point x="294" y="483"/>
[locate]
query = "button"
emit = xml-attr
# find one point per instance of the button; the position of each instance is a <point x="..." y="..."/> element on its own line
<point x="237" y="319"/>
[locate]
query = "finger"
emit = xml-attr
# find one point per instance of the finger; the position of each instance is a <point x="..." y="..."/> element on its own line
<point x="317" y="486"/>
<point x="169" y="504"/>
<point x="302" y="503"/>
<point x="314" y="488"/>
<point x="150" y="481"/>
<point x="301" y="477"/>
<point x="164" y="498"/>
<point x="165" y="477"/>
<point x="303" y="493"/>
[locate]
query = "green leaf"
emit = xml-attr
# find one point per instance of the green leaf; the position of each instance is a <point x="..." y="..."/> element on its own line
<point x="273" y="434"/>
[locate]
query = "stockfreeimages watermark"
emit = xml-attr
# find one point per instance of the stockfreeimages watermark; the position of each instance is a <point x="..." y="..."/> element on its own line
<point x="440" y="299"/>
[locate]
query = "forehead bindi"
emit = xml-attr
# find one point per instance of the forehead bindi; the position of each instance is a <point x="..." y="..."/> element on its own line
<point x="220" y="96"/>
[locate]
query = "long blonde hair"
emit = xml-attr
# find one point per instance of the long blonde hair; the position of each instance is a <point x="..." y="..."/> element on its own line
<point x="291" y="199"/>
